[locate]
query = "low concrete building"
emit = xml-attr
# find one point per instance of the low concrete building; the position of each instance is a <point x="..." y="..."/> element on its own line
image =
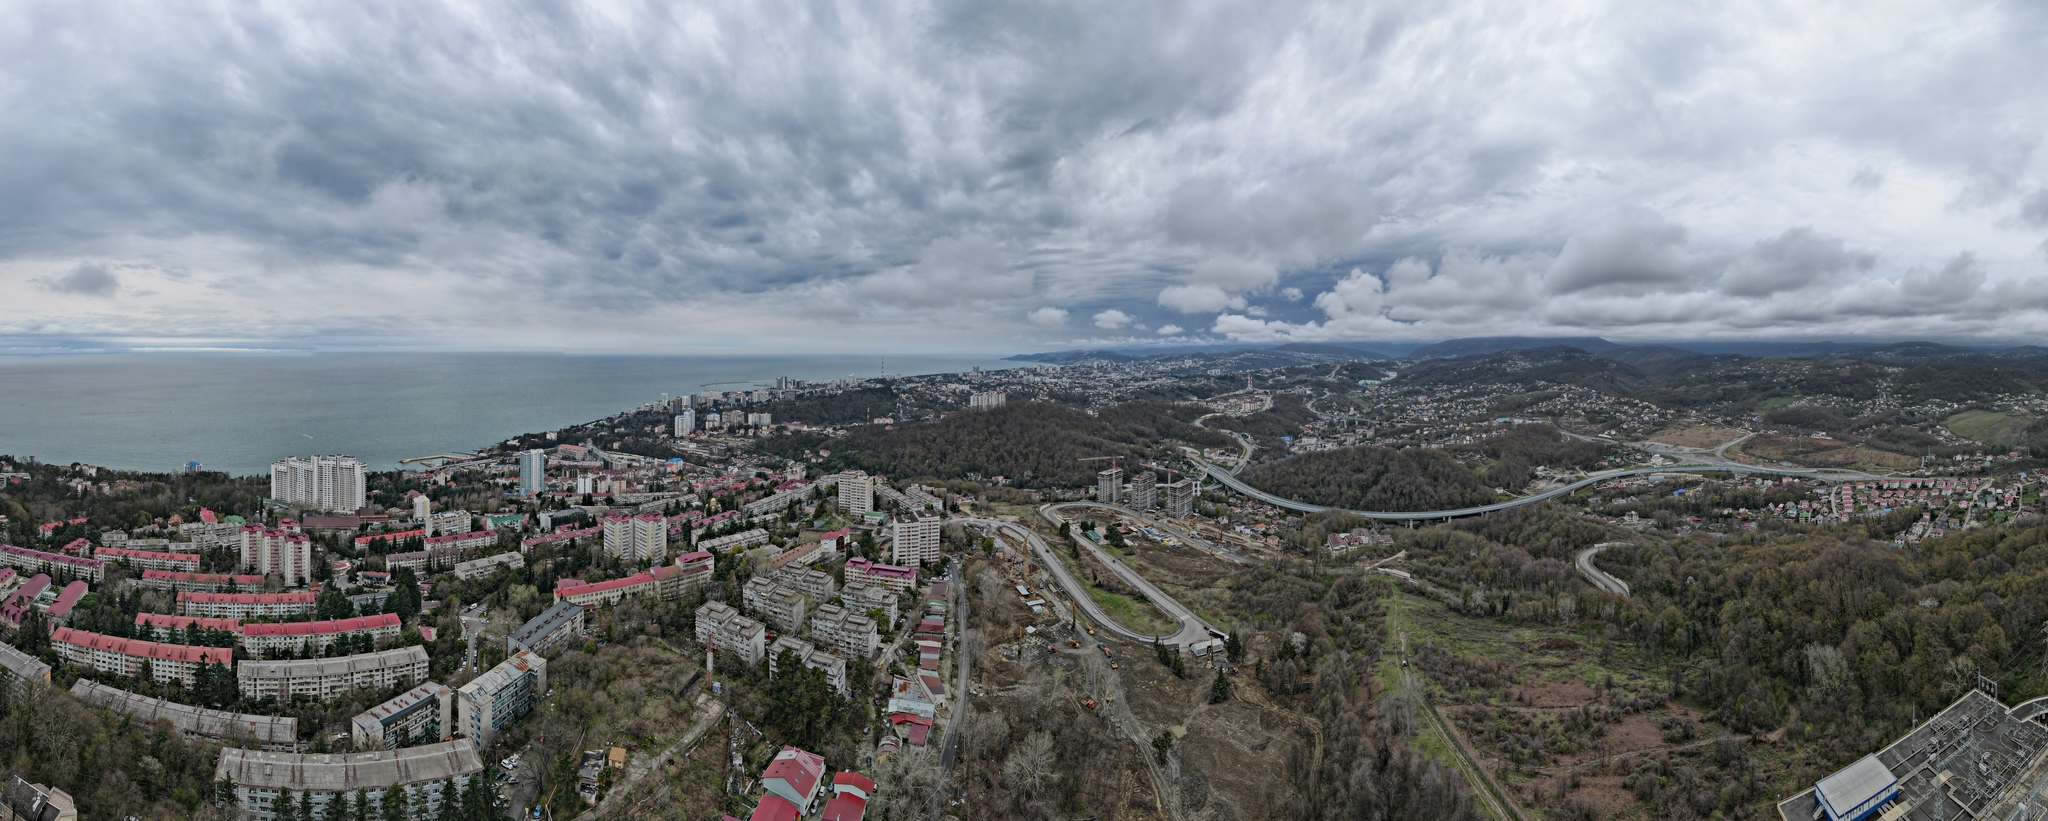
<point x="479" y="568"/>
<point x="247" y="605"/>
<point x="23" y="801"/>
<point x="812" y="657"/>
<point x="865" y="599"/>
<point x="422" y="772"/>
<point x="549" y="631"/>
<point x="322" y="679"/>
<point x="19" y="667"/>
<point x="266" y="732"/>
<point x="202" y="582"/>
<point x="847" y="633"/>
<point x="128" y="657"/>
<point x="421" y="715"/>
<point x="776" y="603"/>
<point x="314" y="636"/>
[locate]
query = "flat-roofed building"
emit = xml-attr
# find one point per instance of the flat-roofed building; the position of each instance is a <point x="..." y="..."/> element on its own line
<point x="421" y="715"/>
<point x="812" y="657"/>
<point x="314" y="636"/>
<point x="1179" y="501"/>
<point x="856" y="493"/>
<point x="776" y="603"/>
<point x="150" y="559"/>
<point x="266" y="732"/>
<point x="736" y="541"/>
<point x="128" y="657"/>
<point x="501" y="696"/>
<point x="816" y="584"/>
<point x="479" y="568"/>
<point x="201" y="582"/>
<point x="248" y="605"/>
<point x="720" y="626"/>
<point x="19" y="667"/>
<point x="425" y="562"/>
<point x="422" y="772"/>
<point x="914" y="539"/>
<point x="549" y="631"/>
<point x="894" y="578"/>
<point x="24" y="801"/>
<point x="865" y="598"/>
<point x="322" y="679"/>
<point x="847" y="633"/>
<point x="284" y="552"/>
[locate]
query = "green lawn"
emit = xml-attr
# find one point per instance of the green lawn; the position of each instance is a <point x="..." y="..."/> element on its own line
<point x="1775" y="403"/>
<point x="1991" y="427"/>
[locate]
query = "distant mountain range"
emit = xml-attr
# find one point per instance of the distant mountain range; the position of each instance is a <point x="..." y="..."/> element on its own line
<point x="1648" y="357"/>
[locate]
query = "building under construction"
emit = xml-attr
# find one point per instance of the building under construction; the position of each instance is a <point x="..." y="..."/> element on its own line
<point x="1977" y="759"/>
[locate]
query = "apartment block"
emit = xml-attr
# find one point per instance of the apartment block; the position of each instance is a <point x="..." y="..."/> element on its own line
<point x="127" y="657"/>
<point x="893" y="578"/>
<point x="720" y="626"/>
<point x="776" y="603"/>
<point x="322" y="679"/>
<point x="17" y="667"/>
<point x="314" y="636"/>
<point x="737" y="541"/>
<point x="150" y="559"/>
<point x="266" y="732"/>
<point x="423" y="773"/>
<point x="915" y="539"/>
<point x="865" y="598"/>
<point x="636" y="539"/>
<point x="553" y="628"/>
<point x="848" y="633"/>
<point x="1180" y="499"/>
<point x="330" y="483"/>
<point x="55" y="564"/>
<point x="856" y="493"/>
<point x="282" y="552"/>
<point x="501" y="696"/>
<point x="248" y="605"/>
<point x="812" y="657"/>
<point x="421" y="715"/>
<point x="201" y="582"/>
<point x="479" y="568"/>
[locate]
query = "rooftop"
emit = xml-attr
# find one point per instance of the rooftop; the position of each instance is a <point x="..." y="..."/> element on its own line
<point x="334" y="772"/>
<point x="300" y="668"/>
<point x="547" y="622"/>
<point x="312" y="628"/>
<point x="277" y="730"/>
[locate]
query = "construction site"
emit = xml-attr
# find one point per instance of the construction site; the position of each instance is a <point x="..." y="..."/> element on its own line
<point x="1977" y="759"/>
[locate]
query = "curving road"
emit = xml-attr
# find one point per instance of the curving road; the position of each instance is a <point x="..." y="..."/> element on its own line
<point x="1600" y="578"/>
<point x="1239" y="485"/>
<point x="1192" y="628"/>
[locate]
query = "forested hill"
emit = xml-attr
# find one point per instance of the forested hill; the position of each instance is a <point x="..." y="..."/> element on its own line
<point x="1034" y="445"/>
<point x="1373" y="478"/>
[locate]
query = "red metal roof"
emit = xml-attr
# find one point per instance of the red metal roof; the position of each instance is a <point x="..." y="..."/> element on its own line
<point x="775" y="808"/>
<point x="848" y="807"/>
<point x="297" y="597"/>
<point x="202" y="578"/>
<point x="170" y="622"/>
<point x="67" y="599"/>
<point x="145" y="649"/>
<point x="803" y="770"/>
<point x="124" y="553"/>
<point x="315" y="628"/>
<point x="849" y="778"/>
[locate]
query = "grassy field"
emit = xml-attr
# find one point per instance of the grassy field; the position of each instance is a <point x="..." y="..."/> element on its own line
<point x="1694" y="436"/>
<point x="1989" y="427"/>
<point x="1775" y="403"/>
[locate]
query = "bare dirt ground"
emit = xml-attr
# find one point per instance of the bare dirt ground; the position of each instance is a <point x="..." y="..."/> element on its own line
<point x="1694" y="436"/>
<point x="1820" y="453"/>
<point x="1228" y="754"/>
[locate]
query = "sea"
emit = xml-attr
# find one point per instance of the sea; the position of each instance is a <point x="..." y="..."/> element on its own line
<point x="239" y="412"/>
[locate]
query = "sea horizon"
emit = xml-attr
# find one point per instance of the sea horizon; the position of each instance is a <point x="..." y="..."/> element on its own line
<point x="238" y="411"/>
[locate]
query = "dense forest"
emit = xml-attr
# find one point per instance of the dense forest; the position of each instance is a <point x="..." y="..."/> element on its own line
<point x="852" y="407"/>
<point x="1373" y="478"/>
<point x="1032" y="444"/>
<point x="1516" y="454"/>
<point x="131" y="499"/>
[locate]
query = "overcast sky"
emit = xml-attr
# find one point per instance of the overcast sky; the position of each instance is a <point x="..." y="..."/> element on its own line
<point x="1015" y="175"/>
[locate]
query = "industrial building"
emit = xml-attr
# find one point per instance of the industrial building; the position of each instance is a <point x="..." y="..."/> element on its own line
<point x="1975" y="759"/>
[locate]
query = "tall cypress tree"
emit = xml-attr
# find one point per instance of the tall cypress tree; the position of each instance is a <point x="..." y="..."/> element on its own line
<point x="284" y="808"/>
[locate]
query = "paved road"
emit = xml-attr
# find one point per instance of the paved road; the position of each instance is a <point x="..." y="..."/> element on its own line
<point x="949" y="749"/>
<point x="1078" y="594"/>
<point x="1192" y="628"/>
<point x="1234" y="483"/>
<point x="1600" y="578"/>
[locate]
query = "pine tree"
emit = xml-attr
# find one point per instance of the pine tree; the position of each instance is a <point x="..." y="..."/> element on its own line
<point x="451" y="804"/>
<point x="337" y="808"/>
<point x="306" y="805"/>
<point x="285" y="809"/>
<point x="395" y="805"/>
<point x="1220" y="691"/>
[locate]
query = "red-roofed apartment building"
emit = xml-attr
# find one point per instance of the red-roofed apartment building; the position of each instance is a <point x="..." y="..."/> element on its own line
<point x="126" y="657"/>
<point x="247" y="605"/>
<point x="315" y="635"/>
<point x="795" y="776"/>
<point x="851" y="792"/>
<point x="200" y="582"/>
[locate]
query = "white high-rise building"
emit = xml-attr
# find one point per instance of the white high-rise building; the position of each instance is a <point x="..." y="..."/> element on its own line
<point x="1180" y="499"/>
<point x="1144" y="493"/>
<point x="986" y="401"/>
<point x="282" y="552"/>
<point x="586" y="484"/>
<point x="914" y="539"/>
<point x="686" y="422"/>
<point x="423" y="510"/>
<point x="533" y="472"/>
<point x="856" y="493"/>
<point x="636" y="539"/>
<point x="321" y="482"/>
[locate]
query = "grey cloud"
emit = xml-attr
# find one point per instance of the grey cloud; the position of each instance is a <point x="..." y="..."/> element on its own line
<point x="88" y="279"/>
<point x="2034" y="209"/>
<point x="1638" y="253"/>
<point x="1795" y="259"/>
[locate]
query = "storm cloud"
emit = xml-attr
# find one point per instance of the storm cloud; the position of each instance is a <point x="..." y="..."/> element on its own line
<point x="905" y="173"/>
